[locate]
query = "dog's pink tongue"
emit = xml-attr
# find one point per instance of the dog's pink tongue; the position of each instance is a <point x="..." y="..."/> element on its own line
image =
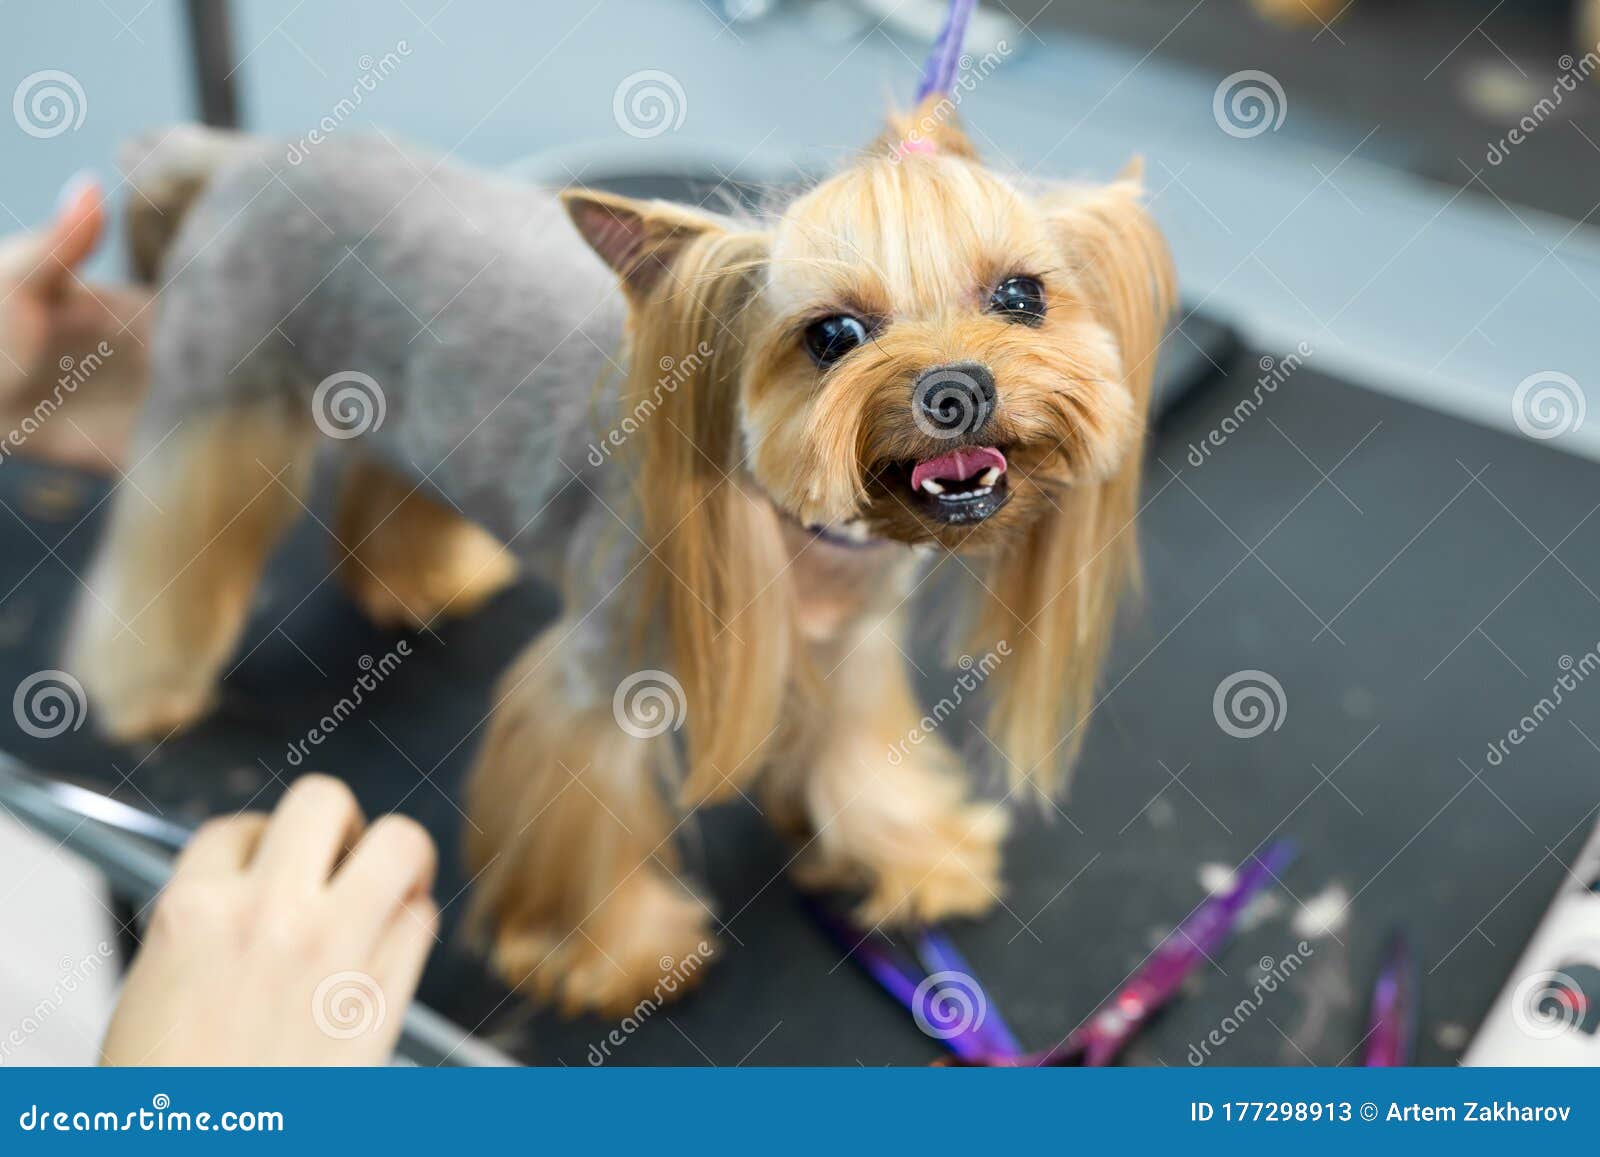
<point x="958" y="465"/>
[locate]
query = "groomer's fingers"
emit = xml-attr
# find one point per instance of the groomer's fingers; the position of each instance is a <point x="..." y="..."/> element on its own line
<point x="43" y="260"/>
<point x="79" y="221"/>
<point x="311" y="828"/>
<point x="225" y="844"/>
<point x="393" y="864"/>
<point x="403" y="949"/>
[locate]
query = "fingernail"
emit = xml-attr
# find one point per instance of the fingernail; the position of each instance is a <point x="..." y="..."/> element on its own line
<point x="80" y="181"/>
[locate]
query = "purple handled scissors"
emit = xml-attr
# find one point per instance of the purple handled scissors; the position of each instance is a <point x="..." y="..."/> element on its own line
<point x="944" y="995"/>
<point x="1392" y="1027"/>
<point x="948" y="1003"/>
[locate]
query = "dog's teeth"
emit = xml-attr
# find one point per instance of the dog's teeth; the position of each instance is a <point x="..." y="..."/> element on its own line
<point x="931" y="486"/>
<point x="990" y="476"/>
<point x="981" y="491"/>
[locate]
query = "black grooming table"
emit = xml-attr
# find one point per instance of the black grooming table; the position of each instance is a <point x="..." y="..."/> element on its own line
<point x="1412" y="582"/>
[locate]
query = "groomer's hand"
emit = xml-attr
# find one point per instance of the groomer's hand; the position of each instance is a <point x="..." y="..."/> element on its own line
<point x="69" y="346"/>
<point x="294" y="939"/>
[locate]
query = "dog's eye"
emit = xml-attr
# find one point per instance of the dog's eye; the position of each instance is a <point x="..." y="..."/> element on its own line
<point x="831" y="338"/>
<point x="1021" y="299"/>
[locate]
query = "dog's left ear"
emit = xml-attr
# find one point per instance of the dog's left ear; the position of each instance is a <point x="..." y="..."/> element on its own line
<point x="1055" y="596"/>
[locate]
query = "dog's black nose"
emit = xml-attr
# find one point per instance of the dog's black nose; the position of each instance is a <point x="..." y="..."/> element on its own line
<point x="953" y="401"/>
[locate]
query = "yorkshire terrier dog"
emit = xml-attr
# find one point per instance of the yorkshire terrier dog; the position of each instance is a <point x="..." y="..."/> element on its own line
<point x="736" y="470"/>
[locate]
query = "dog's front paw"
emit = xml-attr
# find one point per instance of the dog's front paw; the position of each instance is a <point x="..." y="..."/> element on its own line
<point x="140" y="714"/>
<point x="951" y="870"/>
<point x="647" y="942"/>
<point x="136" y="693"/>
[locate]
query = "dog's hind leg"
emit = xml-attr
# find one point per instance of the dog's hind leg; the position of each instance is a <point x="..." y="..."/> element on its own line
<point x="406" y="557"/>
<point x="882" y="806"/>
<point x="570" y="841"/>
<point x="190" y="530"/>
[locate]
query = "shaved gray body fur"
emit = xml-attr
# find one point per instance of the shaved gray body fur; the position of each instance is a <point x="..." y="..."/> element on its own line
<point x="490" y="327"/>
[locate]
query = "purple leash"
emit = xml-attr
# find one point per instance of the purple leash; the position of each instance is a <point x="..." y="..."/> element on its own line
<point x="939" y="73"/>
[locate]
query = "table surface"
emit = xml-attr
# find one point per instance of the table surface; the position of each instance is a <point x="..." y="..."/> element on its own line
<point x="1415" y="584"/>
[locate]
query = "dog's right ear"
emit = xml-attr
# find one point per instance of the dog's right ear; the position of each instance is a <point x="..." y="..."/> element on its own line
<point x="639" y="240"/>
<point x="712" y="554"/>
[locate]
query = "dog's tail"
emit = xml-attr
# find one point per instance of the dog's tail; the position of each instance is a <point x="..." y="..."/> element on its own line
<point x="166" y="170"/>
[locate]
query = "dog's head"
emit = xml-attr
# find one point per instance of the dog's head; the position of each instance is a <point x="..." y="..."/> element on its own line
<point x="916" y="346"/>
